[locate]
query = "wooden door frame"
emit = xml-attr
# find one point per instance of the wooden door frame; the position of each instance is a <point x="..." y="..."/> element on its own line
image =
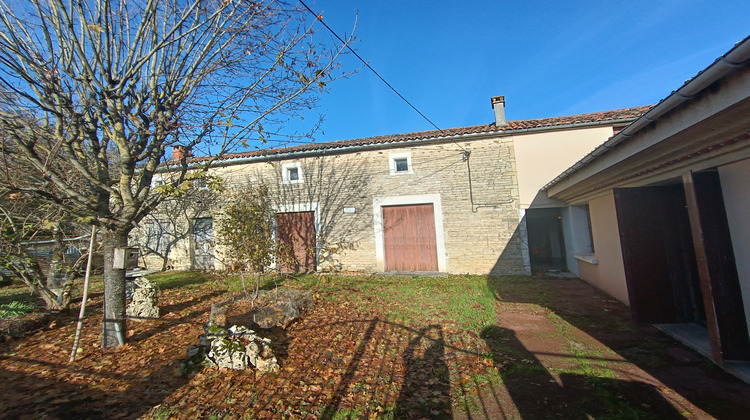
<point x="377" y="209"/>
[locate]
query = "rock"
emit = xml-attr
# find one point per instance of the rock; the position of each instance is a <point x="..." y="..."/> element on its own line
<point x="194" y="351"/>
<point x="234" y="348"/>
<point x="218" y="314"/>
<point x="260" y="355"/>
<point x="281" y="308"/>
<point x="228" y="353"/>
<point x="212" y="332"/>
<point x="145" y="300"/>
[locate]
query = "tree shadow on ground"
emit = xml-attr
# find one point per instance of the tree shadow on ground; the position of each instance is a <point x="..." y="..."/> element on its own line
<point x="348" y="377"/>
<point x="103" y="383"/>
<point x="34" y="396"/>
<point x="18" y="294"/>
<point x="368" y="369"/>
<point x="162" y="324"/>
<point x="608" y="321"/>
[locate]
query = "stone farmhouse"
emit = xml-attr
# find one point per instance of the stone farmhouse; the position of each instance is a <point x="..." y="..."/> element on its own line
<point x="459" y="200"/>
<point x="649" y="204"/>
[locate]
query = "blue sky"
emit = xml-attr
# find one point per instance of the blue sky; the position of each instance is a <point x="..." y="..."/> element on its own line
<point x="549" y="58"/>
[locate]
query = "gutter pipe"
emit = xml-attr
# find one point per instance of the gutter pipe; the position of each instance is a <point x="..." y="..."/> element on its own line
<point x="735" y="58"/>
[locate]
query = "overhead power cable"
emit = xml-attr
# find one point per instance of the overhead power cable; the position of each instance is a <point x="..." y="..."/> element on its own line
<point x="320" y="19"/>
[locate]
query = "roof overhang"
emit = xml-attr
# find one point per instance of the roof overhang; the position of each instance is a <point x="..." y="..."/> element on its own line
<point x="702" y="124"/>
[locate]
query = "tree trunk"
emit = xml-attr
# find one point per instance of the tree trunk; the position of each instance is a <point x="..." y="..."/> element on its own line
<point x="57" y="295"/>
<point x="113" y="327"/>
<point x="165" y="259"/>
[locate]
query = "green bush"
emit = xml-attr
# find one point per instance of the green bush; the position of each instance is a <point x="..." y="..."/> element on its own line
<point x="16" y="308"/>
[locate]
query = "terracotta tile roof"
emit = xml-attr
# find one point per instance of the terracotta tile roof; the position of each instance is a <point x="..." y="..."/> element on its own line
<point x="602" y="116"/>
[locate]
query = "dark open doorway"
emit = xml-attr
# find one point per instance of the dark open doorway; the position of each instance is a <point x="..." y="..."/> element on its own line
<point x="679" y="262"/>
<point x="546" y="241"/>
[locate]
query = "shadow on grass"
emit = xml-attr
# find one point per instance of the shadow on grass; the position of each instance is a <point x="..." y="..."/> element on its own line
<point x="16" y="293"/>
<point x="537" y="394"/>
<point x="608" y="321"/>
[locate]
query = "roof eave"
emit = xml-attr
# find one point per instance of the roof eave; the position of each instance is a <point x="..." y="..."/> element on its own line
<point x="727" y="64"/>
<point x="409" y="142"/>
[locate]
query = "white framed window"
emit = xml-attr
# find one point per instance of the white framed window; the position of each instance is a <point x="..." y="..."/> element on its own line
<point x="400" y="163"/>
<point x="158" y="236"/>
<point x="291" y="173"/>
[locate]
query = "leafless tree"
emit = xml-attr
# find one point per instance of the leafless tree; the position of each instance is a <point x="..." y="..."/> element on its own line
<point x="109" y="85"/>
<point x="28" y="223"/>
<point x="23" y="222"/>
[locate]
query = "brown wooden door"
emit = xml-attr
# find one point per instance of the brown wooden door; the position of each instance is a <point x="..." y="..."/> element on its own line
<point x="658" y="255"/>
<point x="409" y="238"/>
<point x="296" y="235"/>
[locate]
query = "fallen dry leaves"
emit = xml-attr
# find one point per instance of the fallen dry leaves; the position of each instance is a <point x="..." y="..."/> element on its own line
<point x="351" y="357"/>
<point x="337" y="357"/>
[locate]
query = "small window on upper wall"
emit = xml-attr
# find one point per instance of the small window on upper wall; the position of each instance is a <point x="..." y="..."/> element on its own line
<point x="400" y="163"/>
<point x="291" y="173"/>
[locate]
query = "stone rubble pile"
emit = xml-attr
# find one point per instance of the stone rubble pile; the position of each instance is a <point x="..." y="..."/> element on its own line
<point x="145" y="300"/>
<point x="234" y="348"/>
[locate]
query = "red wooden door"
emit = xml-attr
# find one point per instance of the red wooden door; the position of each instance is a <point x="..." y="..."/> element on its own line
<point x="296" y="234"/>
<point x="409" y="238"/>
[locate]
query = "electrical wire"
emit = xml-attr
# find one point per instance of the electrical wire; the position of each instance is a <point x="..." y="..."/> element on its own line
<point x="320" y="19"/>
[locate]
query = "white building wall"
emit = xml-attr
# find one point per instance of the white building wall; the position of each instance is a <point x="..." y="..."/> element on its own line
<point x="607" y="271"/>
<point x="540" y="157"/>
<point x="735" y="185"/>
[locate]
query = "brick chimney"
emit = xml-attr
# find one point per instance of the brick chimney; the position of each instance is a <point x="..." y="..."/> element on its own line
<point x="498" y="104"/>
<point x="178" y="152"/>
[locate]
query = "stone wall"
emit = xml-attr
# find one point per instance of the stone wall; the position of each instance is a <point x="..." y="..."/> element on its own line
<point x="479" y="238"/>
